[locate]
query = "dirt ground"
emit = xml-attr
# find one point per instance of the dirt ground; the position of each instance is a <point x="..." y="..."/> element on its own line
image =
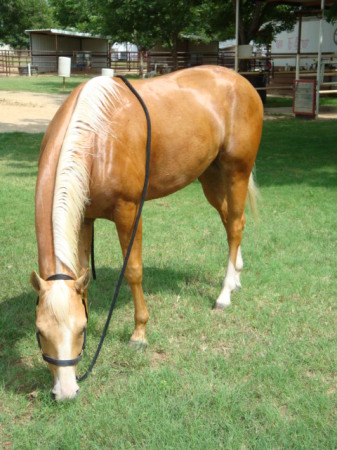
<point x="28" y="112"/>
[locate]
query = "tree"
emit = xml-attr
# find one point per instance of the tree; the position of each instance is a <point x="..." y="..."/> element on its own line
<point x="259" y="21"/>
<point x="147" y="22"/>
<point x="73" y="14"/>
<point x="331" y="14"/>
<point x="16" y="16"/>
<point x="177" y="17"/>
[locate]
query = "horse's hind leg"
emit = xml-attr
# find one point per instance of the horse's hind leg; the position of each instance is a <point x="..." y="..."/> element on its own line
<point x="227" y="193"/>
<point x="134" y="272"/>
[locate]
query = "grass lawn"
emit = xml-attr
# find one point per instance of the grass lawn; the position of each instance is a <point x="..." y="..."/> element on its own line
<point x="283" y="101"/>
<point x="261" y="374"/>
<point x="48" y="84"/>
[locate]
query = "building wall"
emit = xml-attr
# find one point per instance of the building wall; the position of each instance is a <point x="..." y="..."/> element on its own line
<point x="46" y="48"/>
<point x="286" y="42"/>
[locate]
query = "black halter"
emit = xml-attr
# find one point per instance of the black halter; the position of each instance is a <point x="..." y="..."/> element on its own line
<point x="63" y="362"/>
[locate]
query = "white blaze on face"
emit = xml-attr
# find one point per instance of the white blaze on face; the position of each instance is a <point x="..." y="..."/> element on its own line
<point x="65" y="385"/>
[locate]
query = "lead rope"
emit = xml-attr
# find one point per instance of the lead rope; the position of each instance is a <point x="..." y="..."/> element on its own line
<point x="92" y="259"/>
<point x="120" y="279"/>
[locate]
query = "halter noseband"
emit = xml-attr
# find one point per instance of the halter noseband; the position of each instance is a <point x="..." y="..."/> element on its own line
<point x="63" y="362"/>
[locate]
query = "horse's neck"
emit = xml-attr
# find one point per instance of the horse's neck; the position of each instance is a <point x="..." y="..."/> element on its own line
<point x="43" y="224"/>
<point x="50" y="150"/>
<point x="48" y="262"/>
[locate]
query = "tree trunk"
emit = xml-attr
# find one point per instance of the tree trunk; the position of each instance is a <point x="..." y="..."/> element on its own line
<point x="174" y="51"/>
<point x="141" y="62"/>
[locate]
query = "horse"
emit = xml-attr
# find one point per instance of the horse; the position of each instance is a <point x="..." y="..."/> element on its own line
<point x="206" y="125"/>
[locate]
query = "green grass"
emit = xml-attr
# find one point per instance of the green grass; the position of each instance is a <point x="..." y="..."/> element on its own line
<point x="287" y="101"/>
<point x="261" y="374"/>
<point x="49" y="84"/>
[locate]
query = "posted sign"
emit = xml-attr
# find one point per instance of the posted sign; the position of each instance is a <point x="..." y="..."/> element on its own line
<point x="304" y="97"/>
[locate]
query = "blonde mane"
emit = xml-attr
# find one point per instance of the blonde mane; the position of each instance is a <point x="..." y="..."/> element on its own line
<point x="58" y="302"/>
<point x="92" y="116"/>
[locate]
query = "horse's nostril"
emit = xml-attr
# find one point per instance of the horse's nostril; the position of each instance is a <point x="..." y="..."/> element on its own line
<point x="53" y="395"/>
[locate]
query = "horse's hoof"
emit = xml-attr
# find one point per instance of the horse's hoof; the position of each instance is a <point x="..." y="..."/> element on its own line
<point x="220" y="306"/>
<point x="138" y="345"/>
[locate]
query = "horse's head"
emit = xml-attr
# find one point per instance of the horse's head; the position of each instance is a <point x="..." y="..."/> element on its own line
<point x="61" y="321"/>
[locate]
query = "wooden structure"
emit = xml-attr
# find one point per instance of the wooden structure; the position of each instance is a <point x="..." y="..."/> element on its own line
<point x="88" y="52"/>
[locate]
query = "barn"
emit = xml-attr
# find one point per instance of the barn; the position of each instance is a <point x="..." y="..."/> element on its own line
<point x="88" y="53"/>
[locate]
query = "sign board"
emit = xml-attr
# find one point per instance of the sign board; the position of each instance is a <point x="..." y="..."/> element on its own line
<point x="304" y="97"/>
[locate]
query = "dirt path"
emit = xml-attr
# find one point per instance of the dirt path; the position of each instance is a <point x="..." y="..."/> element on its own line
<point x="28" y="112"/>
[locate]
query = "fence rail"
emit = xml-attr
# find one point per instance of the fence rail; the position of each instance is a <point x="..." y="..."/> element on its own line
<point x="11" y="61"/>
<point x="15" y="62"/>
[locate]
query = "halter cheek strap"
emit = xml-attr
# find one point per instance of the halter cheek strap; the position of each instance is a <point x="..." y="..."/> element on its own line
<point x="63" y="362"/>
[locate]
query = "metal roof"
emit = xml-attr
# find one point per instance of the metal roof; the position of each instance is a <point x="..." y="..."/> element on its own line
<point x="53" y="31"/>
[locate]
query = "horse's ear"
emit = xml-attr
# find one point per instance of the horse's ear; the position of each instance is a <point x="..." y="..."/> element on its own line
<point x="36" y="282"/>
<point x="82" y="282"/>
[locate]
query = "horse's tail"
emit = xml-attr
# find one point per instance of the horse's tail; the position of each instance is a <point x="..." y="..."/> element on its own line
<point x="252" y="197"/>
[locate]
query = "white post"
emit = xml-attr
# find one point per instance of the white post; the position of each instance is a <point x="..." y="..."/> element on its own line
<point x="108" y="72"/>
<point x="298" y="55"/>
<point x="29" y="71"/>
<point x="236" y="63"/>
<point x="319" y="62"/>
<point x="64" y="68"/>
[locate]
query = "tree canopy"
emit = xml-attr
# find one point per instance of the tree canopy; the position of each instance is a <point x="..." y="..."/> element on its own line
<point x="16" y="16"/>
<point x="146" y="22"/>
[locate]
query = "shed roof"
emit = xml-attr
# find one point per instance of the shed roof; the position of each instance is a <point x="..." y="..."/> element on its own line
<point x="70" y="33"/>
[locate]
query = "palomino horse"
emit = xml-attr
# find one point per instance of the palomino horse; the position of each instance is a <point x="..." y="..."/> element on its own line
<point x="206" y="124"/>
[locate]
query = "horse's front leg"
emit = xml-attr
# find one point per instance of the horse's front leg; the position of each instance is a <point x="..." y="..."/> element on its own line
<point x="124" y="220"/>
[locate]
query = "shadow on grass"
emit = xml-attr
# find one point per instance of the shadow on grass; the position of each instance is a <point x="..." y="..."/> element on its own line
<point x="22" y="370"/>
<point x="29" y="125"/>
<point x="19" y="148"/>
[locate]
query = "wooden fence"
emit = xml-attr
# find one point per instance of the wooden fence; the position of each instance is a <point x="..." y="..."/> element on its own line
<point x="16" y="61"/>
<point x="13" y="61"/>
